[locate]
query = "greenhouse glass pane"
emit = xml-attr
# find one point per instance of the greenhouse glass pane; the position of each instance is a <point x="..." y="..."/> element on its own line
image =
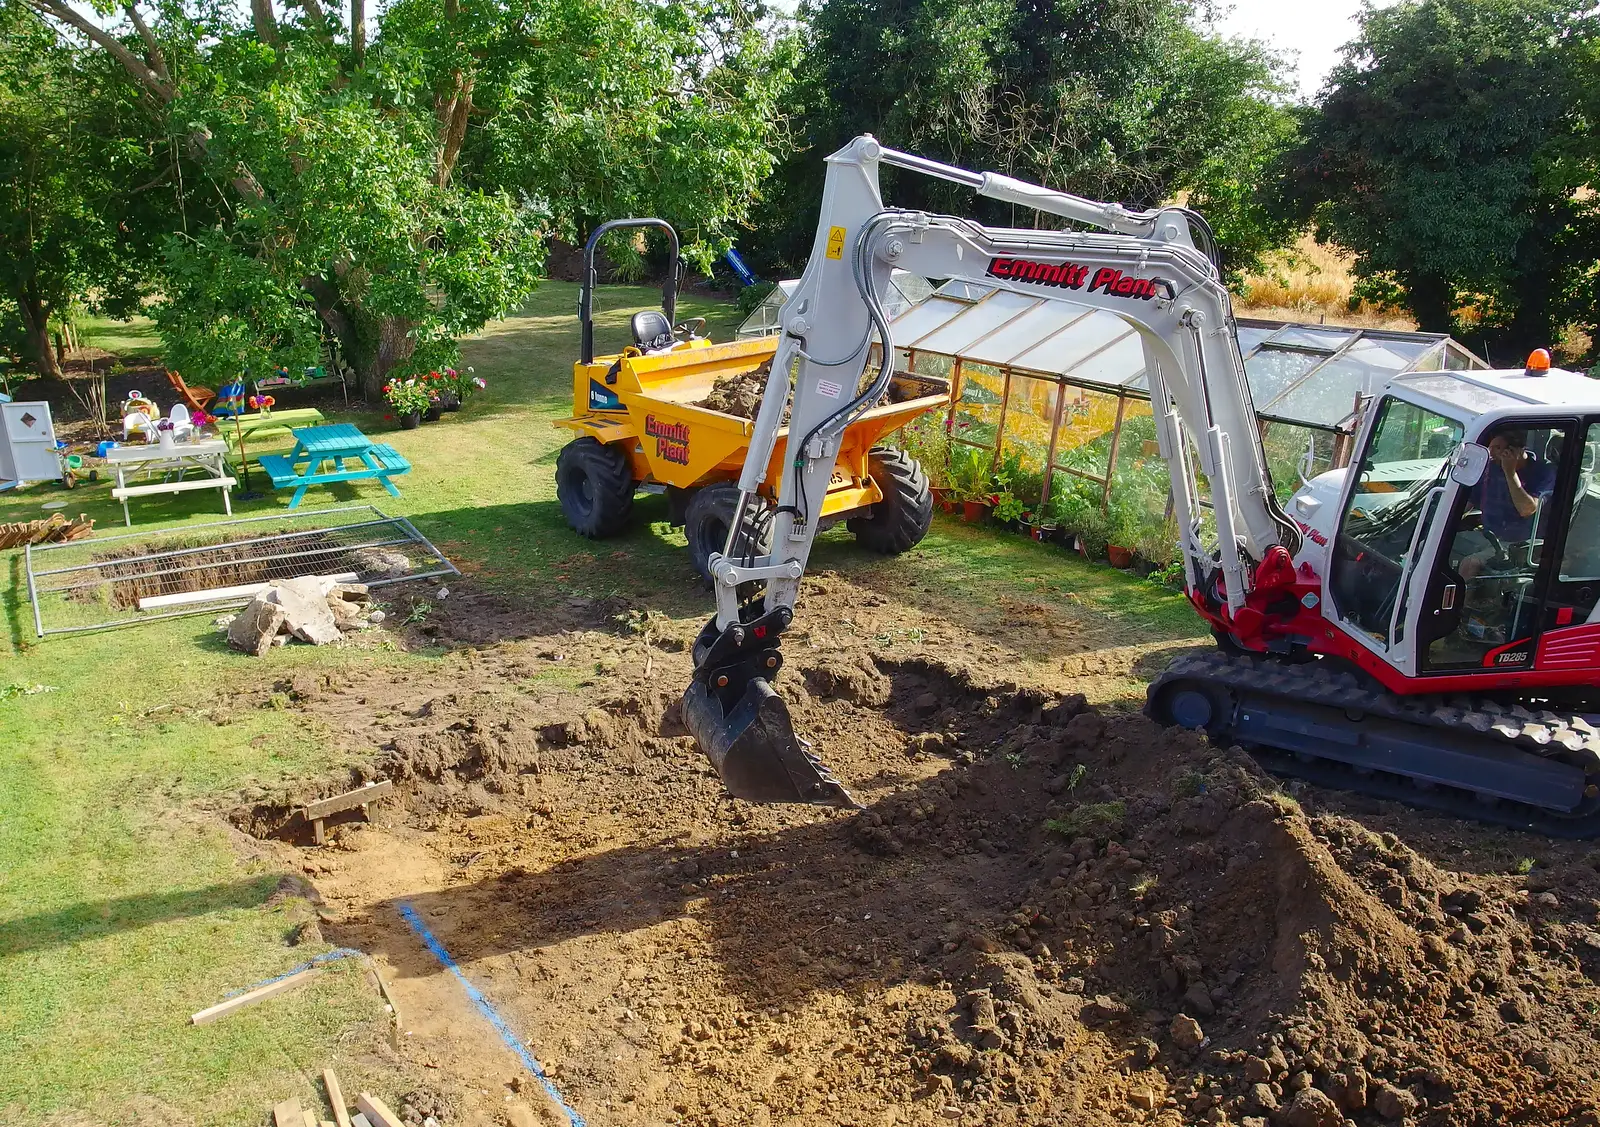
<point x="1252" y="335"/>
<point x="1122" y="362"/>
<point x="1323" y="400"/>
<point x="961" y="333"/>
<point x="920" y="320"/>
<point x="977" y="412"/>
<point x="1271" y="370"/>
<point x="1026" y="331"/>
<point x="1303" y="336"/>
<point x="963" y="290"/>
<point x="1061" y="353"/>
<point x="1328" y="395"/>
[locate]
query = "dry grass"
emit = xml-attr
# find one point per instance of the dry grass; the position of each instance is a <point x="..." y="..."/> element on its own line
<point x="1312" y="282"/>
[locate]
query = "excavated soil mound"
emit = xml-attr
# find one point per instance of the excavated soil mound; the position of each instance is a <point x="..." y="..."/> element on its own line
<point x="1044" y="914"/>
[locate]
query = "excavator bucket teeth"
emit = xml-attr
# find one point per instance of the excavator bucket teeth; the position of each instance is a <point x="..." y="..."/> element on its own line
<point x="754" y="748"/>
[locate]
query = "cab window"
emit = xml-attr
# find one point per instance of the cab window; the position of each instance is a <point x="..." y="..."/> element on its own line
<point x="1406" y="459"/>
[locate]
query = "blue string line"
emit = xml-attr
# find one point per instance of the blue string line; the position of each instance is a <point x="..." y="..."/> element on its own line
<point x="409" y="914"/>
<point x="328" y="957"/>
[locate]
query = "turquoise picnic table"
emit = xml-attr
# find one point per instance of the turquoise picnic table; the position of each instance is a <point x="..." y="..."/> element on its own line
<point x="336" y="445"/>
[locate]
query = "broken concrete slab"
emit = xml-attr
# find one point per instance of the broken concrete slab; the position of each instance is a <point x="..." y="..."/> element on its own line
<point x="255" y="627"/>
<point x="305" y="605"/>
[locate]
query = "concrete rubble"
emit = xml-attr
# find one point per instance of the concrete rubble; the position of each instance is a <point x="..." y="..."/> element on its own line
<point x="311" y="608"/>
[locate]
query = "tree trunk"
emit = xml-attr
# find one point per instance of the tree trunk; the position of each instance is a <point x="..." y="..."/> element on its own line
<point x="37" y="347"/>
<point x="395" y="346"/>
<point x="1432" y="301"/>
<point x="358" y="32"/>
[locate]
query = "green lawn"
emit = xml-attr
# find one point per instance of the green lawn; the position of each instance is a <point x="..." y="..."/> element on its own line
<point x="125" y="906"/>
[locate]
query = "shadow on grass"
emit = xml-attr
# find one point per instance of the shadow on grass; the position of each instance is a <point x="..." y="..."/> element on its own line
<point x="99" y="918"/>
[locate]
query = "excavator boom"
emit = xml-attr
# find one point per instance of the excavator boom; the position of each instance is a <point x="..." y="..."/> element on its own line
<point x="1144" y="266"/>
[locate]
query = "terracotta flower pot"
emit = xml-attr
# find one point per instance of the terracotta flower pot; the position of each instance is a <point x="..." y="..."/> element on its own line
<point x="1120" y="557"/>
<point x="411" y="420"/>
<point x="973" y="511"/>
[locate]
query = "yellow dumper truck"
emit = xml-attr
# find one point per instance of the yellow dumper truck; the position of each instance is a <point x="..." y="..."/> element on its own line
<point x="640" y="421"/>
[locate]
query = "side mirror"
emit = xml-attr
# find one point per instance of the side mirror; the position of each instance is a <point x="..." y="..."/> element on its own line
<point x="1468" y="462"/>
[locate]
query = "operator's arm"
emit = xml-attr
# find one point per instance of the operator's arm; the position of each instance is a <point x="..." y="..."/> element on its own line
<point x="1525" y="503"/>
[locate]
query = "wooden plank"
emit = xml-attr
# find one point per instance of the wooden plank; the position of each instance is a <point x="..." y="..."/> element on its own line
<point x="335" y="1097"/>
<point x="310" y="1120"/>
<point x="377" y="1112"/>
<point x="239" y="590"/>
<point x="359" y="1120"/>
<point x="173" y="487"/>
<point x="251" y="997"/>
<point x="287" y="1114"/>
<point x="349" y="800"/>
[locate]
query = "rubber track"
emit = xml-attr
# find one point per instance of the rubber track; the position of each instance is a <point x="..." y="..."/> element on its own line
<point x="1561" y="735"/>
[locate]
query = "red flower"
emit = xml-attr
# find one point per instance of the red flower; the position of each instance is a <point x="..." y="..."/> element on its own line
<point x="388" y="418"/>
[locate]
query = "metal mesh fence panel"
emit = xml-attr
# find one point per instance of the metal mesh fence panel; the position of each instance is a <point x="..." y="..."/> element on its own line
<point x="195" y="569"/>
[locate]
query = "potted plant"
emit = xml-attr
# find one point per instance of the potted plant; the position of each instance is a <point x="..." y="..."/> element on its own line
<point x="458" y="387"/>
<point x="1009" y="509"/>
<point x="263" y="403"/>
<point x="408" y="399"/>
<point x="970" y="483"/>
<point x="1092" y="535"/>
<point x="197" y="421"/>
<point x="1122" y="533"/>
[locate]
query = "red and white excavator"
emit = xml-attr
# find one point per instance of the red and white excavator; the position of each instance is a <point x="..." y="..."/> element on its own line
<point x="1421" y="625"/>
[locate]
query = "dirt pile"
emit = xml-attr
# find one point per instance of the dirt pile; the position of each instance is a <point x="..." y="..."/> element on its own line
<point x="1045" y="913"/>
<point x="741" y="394"/>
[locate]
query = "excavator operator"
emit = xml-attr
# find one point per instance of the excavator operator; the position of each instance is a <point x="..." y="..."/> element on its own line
<point x="1514" y="484"/>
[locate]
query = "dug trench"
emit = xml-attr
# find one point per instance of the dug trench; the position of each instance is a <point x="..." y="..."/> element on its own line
<point x="1047" y="911"/>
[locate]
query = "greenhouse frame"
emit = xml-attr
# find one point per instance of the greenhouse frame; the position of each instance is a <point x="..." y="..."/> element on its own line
<point x="1019" y="361"/>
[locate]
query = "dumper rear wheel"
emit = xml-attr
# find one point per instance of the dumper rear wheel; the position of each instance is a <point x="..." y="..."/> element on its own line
<point x="899" y="521"/>
<point x="706" y="520"/>
<point x="594" y="483"/>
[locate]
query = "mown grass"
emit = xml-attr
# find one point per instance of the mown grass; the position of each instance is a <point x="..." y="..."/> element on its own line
<point x="125" y="906"/>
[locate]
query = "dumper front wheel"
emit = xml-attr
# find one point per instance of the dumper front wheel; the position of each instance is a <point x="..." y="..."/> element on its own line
<point x="707" y="518"/>
<point x="899" y="521"/>
<point x="594" y="483"/>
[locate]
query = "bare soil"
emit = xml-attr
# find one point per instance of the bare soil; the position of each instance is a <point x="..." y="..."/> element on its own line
<point x="1048" y="911"/>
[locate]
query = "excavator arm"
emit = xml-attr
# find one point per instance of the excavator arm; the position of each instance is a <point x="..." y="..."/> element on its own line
<point x="836" y="355"/>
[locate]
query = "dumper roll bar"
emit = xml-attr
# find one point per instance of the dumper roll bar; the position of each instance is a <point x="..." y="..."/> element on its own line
<point x="669" y="291"/>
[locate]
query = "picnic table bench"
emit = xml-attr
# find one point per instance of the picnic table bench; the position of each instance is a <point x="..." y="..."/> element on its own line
<point x="248" y="432"/>
<point x="336" y="446"/>
<point x="174" y="462"/>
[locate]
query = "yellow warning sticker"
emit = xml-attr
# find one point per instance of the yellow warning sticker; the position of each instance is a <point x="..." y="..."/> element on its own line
<point x="835" y="242"/>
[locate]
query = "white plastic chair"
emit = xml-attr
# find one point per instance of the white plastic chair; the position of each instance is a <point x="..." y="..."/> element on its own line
<point x="182" y="424"/>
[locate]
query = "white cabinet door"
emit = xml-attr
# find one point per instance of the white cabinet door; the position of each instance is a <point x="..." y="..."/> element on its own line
<point x="27" y="443"/>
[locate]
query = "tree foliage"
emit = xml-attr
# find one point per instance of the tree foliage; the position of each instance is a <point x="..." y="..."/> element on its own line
<point x="79" y="182"/>
<point x="1452" y="154"/>
<point x="391" y="191"/>
<point x="1113" y="99"/>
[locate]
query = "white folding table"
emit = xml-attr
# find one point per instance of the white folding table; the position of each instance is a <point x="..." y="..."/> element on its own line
<point x="173" y="463"/>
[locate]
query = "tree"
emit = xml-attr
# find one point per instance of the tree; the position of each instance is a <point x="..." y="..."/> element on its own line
<point x="1450" y="154"/>
<point x="1113" y="99"/>
<point x="76" y="188"/>
<point x="392" y="192"/>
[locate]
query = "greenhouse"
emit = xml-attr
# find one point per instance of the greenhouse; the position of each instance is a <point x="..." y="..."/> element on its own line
<point x="1050" y="409"/>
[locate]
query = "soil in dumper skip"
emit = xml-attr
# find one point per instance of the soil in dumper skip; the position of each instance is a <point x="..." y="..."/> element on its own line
<point x="1045" y="914"/>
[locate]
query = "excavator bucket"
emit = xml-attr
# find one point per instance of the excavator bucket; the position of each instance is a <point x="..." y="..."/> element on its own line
<point x="753" y="747"/>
